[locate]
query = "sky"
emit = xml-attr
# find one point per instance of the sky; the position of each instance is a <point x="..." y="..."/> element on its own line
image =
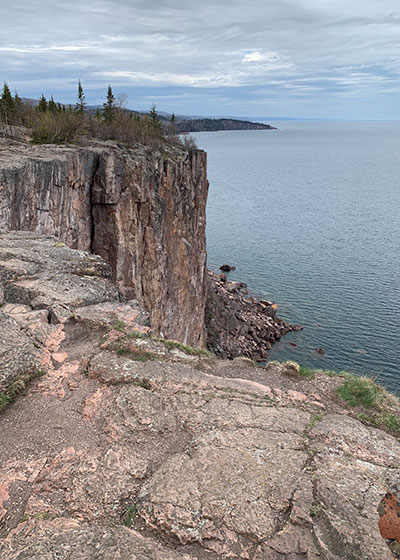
<point x="295" y="58"/>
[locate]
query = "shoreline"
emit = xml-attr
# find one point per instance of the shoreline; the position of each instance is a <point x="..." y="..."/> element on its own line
<point x="238" y="324"/>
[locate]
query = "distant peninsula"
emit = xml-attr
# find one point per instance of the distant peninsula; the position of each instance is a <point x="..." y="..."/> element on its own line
<point x="211" y="125"/>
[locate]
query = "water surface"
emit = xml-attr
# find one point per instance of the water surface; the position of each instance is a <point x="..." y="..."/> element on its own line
<point x="310" y="216"/>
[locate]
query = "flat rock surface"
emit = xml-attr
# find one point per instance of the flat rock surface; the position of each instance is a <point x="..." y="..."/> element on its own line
<point x="132" y="448"/>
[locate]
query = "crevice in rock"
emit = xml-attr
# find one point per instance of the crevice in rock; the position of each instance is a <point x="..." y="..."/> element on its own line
<point x="92" y="218"/>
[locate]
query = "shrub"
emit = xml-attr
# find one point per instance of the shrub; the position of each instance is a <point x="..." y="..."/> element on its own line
<point x="358" y="391"/>
<point x="306" y="372"/>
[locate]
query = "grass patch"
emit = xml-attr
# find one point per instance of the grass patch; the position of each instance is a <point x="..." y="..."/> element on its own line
<point x="389" y="421"/>
<point x="18" y="386"/>
<point x="330" y="372"/>
<point x="358" y="391"/>
<point x="306" y="372"/>
<point x="4" y="401"/>
<point x="363" y="391"/>
<point x="140" y="335"/>
<point x="136" y="354"/>
<point x="171" y="344"/>
<point x="384" y="420"/>
<point x="365" y="418"/>
<point x="129" y="516"/>
<point x="315" y="418"/>
<point x="119" y="325"/>
<point x="143" y="356"/>
<point x="315" y="509"/>
<point x="122" y="350"/>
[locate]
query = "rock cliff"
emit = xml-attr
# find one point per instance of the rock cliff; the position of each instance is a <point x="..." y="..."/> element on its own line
<point x="125" y="445"/>
<point x="143" y="211"/>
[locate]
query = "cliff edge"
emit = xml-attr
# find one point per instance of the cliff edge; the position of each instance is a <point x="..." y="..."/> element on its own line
<point x="142" y="210"/>
<point x="122" y="444"/>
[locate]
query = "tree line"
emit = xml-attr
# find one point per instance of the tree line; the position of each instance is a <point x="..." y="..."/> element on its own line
<point x="52" y="122"/>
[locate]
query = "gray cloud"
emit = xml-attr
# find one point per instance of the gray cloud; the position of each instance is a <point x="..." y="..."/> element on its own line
<point x="213" y="57"/>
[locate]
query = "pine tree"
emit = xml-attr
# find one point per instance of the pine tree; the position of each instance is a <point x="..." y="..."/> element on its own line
<point x="52" y="106"/>
<point x="18" y="101"/>
<point x="42" y="106"/>
<point x="109" y="106"/>
<point x="173" y="129"/>
<point x="7" y="105"/>
<point x="155" y="121"/>
<point x="81" y="102"/>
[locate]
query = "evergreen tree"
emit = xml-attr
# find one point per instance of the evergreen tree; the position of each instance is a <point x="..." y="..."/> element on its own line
<point x="59" y="107"/>
<point x="109" y="106"/>
<point x="42" y="106"/>
<point x="155" y="121"/>
<point x="52" y="106"/>
<point x="97" y="115"/>
<point x="81" y="103"/>
<point x="7" y="105"/>
<point x="18" y="102"/>
<point x="173" y="129"/>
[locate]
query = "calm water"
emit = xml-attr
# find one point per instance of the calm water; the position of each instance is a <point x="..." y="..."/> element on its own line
<point x="310" y="216"/>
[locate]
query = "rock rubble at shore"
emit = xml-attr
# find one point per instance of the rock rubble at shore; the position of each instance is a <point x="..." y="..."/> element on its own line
<point x="238" y="324"/>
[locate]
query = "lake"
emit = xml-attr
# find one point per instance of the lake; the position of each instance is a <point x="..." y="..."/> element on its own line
<point x="310" y="216"/>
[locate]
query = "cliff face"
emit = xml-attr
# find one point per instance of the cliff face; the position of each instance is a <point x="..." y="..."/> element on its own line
<point x="144" y="213"/>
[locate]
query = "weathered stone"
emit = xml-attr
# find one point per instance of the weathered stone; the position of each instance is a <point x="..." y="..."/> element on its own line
<point x="200" y="461"/>
<point x="67" y="539"/>
<point x="18" y="355"/>
<point x="143" y="212"/>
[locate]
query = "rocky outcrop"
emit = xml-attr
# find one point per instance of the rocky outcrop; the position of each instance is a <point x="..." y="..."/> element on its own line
<point x="44" y="285"/>
<point x="129" y="446"/>
<point x="238" y="324"/>
<point x="142" y="211"/>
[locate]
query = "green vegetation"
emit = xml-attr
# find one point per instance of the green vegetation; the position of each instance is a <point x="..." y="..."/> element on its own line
<point x="363" y="391"/>
<point x="307" y="372"/>
<point x="143" y="357"/>
<point x="122" y="350"/>
<point x="17" y="387"/>
<point x="315" y="509"/>
<point x="129" y="516"/>
<point x="170" y="344"/>
<point x="388" y="420"/>
<point x="359" y="391"/>
<point x="136" y="354"/>
<point x="315" y="418"/>
<point x="41" y="515"/>
<point x="384" y="420"/>
<point x="53" y="123"/>
<point x="119" y="325"/>
<point x="80" y="103"/>
<point x="136" y="334"/>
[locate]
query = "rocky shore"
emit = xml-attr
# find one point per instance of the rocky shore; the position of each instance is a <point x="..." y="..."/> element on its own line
<point x="238" y="324"/>
<point x="119" y="444"/>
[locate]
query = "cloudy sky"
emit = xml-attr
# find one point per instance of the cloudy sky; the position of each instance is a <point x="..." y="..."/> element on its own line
<point x="296" y="58"/>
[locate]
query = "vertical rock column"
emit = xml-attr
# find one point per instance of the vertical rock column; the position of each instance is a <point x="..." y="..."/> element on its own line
<point x="149" y="225"/>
